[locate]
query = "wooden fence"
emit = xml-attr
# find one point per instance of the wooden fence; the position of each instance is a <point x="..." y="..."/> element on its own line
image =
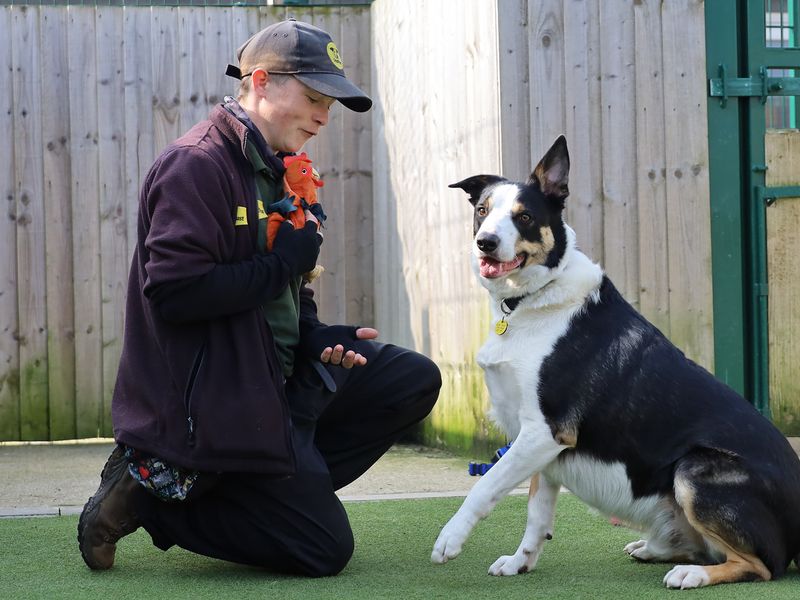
<point x="486" y="89"/>
<point x="91" y="94"/>
<point x="89" y="97"/>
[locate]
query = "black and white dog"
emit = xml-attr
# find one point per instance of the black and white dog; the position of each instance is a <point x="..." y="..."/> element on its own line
<point x="598" y="400"/>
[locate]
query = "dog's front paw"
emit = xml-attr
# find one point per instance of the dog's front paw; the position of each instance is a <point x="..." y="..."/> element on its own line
<point x="686" y="577"/>
<point x="639" y="550"/>
<point x="450" y="541"/>
<point x="512" y="565"/>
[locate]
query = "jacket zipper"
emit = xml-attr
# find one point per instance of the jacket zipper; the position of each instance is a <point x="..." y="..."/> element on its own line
<point x="281" y="389"/>
<point x="187" y="397"/>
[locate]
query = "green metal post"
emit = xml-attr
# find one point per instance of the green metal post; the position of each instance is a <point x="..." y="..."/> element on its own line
<point x="731" y="362"/>
<point x="755" y="59"/>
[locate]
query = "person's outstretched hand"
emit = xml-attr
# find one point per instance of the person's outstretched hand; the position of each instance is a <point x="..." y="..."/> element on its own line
<point x="337" y="355"/>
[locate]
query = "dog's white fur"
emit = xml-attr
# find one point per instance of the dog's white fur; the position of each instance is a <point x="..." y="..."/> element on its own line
<point x="511" y="366"/>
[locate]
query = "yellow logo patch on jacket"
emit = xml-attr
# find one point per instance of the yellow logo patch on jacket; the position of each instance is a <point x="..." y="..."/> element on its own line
<point x="241" y="215"/>
<point x="262" y="214"/>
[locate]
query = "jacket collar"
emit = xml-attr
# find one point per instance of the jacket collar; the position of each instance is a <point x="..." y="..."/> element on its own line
<point x="236" y="125"/>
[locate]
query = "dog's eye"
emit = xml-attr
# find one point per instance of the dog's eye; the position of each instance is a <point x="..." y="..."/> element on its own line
<point x="481" y="211"/>
<point x="525" y="218"/>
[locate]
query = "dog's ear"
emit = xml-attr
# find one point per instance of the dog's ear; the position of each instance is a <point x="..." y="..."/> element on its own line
<point x="476" y="184"/>
<point x="552" y="172"/>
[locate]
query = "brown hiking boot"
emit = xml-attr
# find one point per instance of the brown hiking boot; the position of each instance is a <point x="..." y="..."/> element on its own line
<point x="109" y="514"/>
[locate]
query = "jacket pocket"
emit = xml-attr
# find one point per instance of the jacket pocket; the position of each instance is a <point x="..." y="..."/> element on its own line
<point x="197" y="366"/>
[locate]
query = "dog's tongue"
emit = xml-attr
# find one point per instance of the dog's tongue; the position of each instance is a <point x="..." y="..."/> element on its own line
<point x="491" y="268"/>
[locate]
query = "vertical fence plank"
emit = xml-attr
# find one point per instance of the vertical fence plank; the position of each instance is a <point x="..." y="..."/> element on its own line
<point x="85" y="219"/>
<point x="245" y="23"/>
<point x="9" y="326"/>
<point x="31" y="278"/>
<point x="113" y="214"/>
<point x="782" y="149"/>
<point x="191" y="66"/>
<point x="650" y="166"/>
<point x="688" y="216"/>
<point x="57" y="187"/>
<point x="139" y="100"/>
<point x="166" y="92"/>
<point x="584" y="210"/>
<point x="357" y="173"/>
<point x="621" y="248"/>
<point x="391" y="301"/>
<point x="220" y="49"/>
<point x="515" y="116"/>
<point x="546" y="74"/>
<point x="437" y="121"/>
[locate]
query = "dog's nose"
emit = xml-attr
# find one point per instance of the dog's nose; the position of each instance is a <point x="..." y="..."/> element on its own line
<point x="487" y="242"/>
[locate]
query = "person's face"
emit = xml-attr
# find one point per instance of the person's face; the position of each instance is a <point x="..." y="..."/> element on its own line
<point x="291" y="114"/>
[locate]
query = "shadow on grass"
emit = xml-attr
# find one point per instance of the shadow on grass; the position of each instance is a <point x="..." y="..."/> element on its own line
<point x="393" y="543"/>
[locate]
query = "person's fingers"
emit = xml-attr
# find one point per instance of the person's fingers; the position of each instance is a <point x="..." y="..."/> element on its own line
<point x="326" y="355"/>
<point x="336" y="356"/>
<point x="349" y="359"/>
<point x="366" y="333"/>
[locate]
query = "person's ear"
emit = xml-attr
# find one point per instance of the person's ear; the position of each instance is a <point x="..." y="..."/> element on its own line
<point x="259" y="79"/>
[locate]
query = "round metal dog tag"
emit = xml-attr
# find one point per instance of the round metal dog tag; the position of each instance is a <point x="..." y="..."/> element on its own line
<point x="500" y="327"/>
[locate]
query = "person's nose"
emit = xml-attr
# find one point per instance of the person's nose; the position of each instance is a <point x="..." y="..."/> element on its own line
<point x="321" y="116"/>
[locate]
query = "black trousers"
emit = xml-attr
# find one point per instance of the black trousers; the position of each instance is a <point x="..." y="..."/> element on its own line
<point x="297" y="525"/>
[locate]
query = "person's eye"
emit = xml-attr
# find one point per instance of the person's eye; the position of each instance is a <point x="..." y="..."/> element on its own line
<point x="312" y="100"/>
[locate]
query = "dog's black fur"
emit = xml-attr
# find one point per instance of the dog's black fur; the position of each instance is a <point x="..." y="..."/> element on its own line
<point x="663" y="416"/>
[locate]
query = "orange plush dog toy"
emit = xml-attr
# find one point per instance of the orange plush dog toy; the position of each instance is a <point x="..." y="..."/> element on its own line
<point x="300" y="182"/>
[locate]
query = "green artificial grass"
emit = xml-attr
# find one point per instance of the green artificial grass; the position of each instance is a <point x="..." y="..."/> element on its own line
<point x="39" y="559"/>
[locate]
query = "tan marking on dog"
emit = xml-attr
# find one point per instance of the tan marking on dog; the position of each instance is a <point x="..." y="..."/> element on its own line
<point x="534" y="486"/>
<point x="537" y="251"/>
<point x="567" y="438"/>
<point x="739" y="565"/>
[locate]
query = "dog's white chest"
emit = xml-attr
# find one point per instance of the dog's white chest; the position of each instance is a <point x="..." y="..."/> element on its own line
<point x="511" y="363"/>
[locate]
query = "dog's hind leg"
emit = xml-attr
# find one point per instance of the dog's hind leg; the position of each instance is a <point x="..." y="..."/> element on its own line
<point x="721" y="501"/>
<point x="541" y="510"/>
<point x="671" y="538"/>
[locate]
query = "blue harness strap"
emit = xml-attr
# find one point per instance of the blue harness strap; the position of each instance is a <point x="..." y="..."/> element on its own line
<point x="482" y="468"/>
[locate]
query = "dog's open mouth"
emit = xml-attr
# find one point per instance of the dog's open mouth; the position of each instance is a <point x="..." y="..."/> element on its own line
<point x="491" y="268"/>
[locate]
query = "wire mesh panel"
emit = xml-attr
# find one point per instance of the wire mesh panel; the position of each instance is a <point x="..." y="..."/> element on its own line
<point x="781" y="32"/>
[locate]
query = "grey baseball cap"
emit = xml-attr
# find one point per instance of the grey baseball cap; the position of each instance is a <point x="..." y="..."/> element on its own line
<point x="305" y="52"/>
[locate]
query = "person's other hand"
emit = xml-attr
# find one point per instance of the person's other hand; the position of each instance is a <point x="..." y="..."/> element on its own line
<point x="337" y="355"/>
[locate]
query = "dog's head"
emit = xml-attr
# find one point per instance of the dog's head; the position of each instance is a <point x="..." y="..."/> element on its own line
<point x="519" y="226"/>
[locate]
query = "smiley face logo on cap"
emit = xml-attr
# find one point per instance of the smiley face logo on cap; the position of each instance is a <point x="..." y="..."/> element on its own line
<point x="333" y="53"/>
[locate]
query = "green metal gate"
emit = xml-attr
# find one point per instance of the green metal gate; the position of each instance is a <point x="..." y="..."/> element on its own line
<point x="752" y="61"/>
